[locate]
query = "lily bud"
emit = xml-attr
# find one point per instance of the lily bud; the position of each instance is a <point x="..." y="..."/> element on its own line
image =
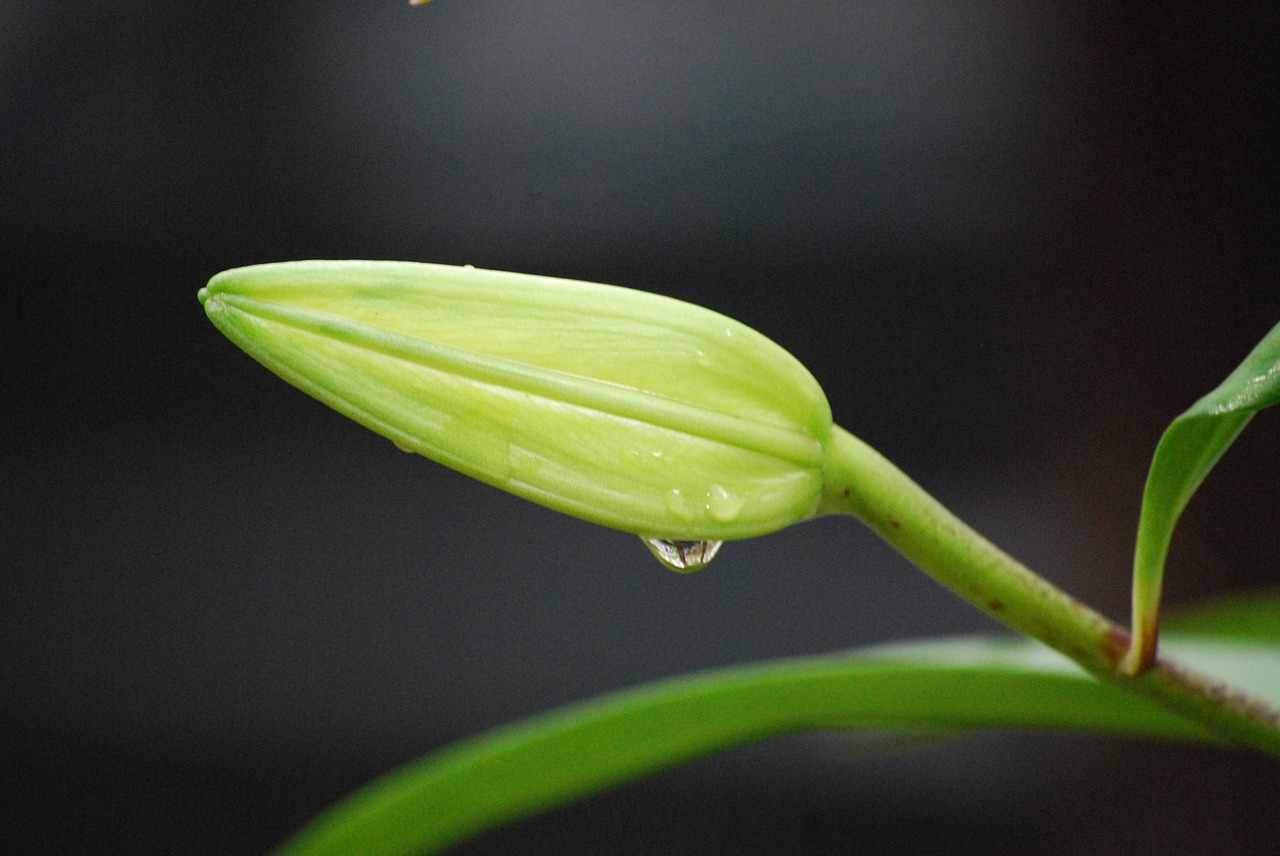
<point x="624" y="408"/>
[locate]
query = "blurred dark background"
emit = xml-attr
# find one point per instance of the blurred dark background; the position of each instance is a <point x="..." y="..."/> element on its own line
<point x="1012" y="240"/>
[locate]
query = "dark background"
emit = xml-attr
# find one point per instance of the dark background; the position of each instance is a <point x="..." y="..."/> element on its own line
<point x="1012" y="240"/>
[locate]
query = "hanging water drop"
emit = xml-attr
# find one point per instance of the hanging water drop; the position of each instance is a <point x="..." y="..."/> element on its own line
<point x="683" y="556"/>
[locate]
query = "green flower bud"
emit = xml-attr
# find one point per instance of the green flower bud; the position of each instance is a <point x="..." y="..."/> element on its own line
<point x="624" y="408"/>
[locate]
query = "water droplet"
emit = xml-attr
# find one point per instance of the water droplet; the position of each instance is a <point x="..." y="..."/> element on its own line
<point x="404" y="447"/>
<point x="683" y="556"/>
<point x="722" y="505"/>
<point x="522" y="462"/>
<point x="679" y="504"/>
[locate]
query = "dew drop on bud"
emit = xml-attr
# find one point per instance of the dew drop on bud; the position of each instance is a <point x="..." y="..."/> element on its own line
<point x="683" y="556"/>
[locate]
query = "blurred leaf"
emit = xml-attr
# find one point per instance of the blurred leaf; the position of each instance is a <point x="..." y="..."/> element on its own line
<point x="1253" y="615"/>
<point x="943" y="684"/>
<point x="1190" y="447"/>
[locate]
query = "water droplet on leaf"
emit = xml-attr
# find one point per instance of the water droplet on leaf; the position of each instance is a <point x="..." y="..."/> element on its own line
<point x="683" y="556"/>
<point x="722" y="505"/>
<point x="679" y="504"/>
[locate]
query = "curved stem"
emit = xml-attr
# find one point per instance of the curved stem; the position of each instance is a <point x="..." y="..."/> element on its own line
<point x="862" y="482"/>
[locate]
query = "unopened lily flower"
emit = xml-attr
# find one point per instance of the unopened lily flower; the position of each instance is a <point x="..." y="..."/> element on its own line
<point x="645" y="414"/>
<point x="624" y="408"/>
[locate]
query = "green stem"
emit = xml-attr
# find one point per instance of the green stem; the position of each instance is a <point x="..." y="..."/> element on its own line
<point x="862" y="482"/>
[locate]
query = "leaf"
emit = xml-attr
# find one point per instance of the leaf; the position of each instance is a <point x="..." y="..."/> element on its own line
<point x="552" y="759"/>
<point x="1254" y="615"/>
<point x="1190" y="447"/>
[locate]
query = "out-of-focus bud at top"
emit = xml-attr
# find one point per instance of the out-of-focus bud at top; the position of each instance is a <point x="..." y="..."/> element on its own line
<point x="627" y="409"/>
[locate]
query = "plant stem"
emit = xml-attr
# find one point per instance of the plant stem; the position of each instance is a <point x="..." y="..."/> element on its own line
<point x="862" y="482"/>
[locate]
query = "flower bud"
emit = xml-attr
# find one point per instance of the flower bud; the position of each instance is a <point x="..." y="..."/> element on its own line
<point x="624" y="408"/>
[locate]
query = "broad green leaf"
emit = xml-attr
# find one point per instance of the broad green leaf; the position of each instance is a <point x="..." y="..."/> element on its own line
<point x="944" y="684"/>
<point x="1190" y="447"/>
<point x="1252" y="615"/>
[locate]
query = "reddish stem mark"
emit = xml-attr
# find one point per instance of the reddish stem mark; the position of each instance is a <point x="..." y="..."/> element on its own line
<point x="1117" y="643"/>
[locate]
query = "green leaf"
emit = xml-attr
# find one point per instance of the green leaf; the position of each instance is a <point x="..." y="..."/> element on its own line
<point x="1252" y="615"/>
<point x="1190" y="447"/>
<point x="557" y="757"/>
